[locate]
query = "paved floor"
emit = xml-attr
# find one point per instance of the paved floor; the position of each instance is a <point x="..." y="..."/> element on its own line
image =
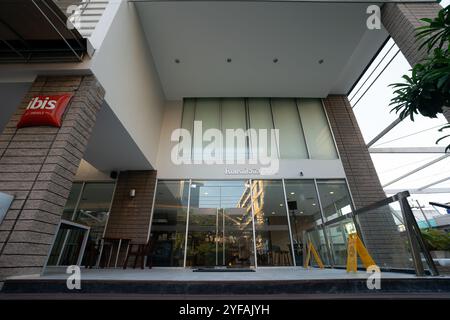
<point x="181" y="274"/>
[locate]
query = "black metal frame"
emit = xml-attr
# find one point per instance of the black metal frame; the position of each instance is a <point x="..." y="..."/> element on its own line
<point x="445" y="206"/>
<point x="415" y="239"/>
<point x="64" y="49"/>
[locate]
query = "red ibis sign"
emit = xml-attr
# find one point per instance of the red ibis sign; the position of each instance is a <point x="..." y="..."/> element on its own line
<point x="45" y="111"/>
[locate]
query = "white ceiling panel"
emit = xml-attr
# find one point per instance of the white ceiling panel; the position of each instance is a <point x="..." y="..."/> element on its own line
<point x="203" y="35"/>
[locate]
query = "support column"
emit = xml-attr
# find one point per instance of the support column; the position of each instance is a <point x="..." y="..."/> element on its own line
<point x="380" y="233"/>
<point x="130" y="216"/>
<point x="37" y="167"/>
<point x="401" y="20"/>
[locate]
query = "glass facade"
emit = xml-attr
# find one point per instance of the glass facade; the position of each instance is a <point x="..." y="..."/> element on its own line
<point x="303" y="127"/>
<point x="336" y="202"/>
<point x="306" y="219"/>
<point x="169" y="222"/>
<point x="220" y="231"/>
<point x="85" y="215"/>
<point x="250" y="223"/>
<point x="273" y="244"/>
<point x="93" y="208"/>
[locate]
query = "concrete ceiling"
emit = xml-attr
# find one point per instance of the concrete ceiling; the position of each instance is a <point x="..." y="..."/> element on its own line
<point x="203" y="35"/>
<point x="111" y="147"/>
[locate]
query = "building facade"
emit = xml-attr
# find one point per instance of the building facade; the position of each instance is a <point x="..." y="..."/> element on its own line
<point x="269" y="159"/>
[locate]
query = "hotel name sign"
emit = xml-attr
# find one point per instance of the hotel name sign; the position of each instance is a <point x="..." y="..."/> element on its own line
<point x="45" y="110"/>
<point x="247" y="172"/>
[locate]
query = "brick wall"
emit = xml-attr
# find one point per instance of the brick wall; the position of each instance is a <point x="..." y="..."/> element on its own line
<point x="379" y="231"/>
<point x="401" y="19"/>
<point x="130" y="217"/>
<point x="37" y="166"/>
<point x="361" y="174"/>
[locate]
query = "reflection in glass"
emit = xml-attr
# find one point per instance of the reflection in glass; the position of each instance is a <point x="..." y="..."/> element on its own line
<point x="93" y="209"/>
<point x="273" y="244"/>
<point x="72" y="201"/>
<point x="169" y="222"/>
<point x="57" y="247"/>
<point x="220" y="225"/>
<point x="306" y="219"/>
<point x="336" y="202"/>
<point x="72" y="247"/>
<point x="67" y="246"/>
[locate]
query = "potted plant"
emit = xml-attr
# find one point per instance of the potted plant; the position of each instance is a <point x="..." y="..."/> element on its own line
<point x="427" y="90"/>
<point x="438" y="243"/>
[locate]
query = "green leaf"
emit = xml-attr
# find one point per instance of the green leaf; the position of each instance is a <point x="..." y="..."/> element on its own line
<point x="442" y="81"/>
<point x="426" y="20"/>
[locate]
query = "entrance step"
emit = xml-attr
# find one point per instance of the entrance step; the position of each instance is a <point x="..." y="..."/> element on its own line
<point x="339" y="288"/>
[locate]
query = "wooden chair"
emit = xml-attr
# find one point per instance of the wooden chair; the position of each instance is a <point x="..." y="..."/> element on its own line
<point x="91" y="255"/>
<point x="140" y="251"/>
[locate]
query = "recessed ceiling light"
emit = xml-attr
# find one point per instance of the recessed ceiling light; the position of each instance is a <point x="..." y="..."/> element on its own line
<point x="275" y="60"/>
<point x="273" y="212"/>
<point x="281" y="204"/>
<point x="229" y="60"/>
<point x="177" y="60"/>
<point x="331" y="192"/>
<point x="301" y="211"/>
<point x="292" y="192"/>
<point x="314" y="204"/>
<point x="320" y="61"/>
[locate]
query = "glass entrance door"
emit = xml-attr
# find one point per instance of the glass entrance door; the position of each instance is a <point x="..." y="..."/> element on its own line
<point x="220" y="230"/>
<point x="237" y="238"/>
<point x="69" y="245"/>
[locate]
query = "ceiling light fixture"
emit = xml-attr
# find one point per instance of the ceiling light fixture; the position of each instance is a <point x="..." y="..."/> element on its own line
<point x="314" y="204"/>
<point x="331" y="192"/>
<point x="292" y="193"/>
<point x="281" y="204"/>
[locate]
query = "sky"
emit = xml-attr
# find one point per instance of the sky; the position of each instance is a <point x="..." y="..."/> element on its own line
<point x="373" y="114"/>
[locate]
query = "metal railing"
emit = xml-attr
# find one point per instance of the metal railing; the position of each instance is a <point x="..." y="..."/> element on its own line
<point x="394" y="240"/>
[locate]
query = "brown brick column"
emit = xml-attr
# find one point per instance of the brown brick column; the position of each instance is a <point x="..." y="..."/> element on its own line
<point x="130" y="217"/>
<point x="379" y="230"/>
<point x="360" y="171"/>
<point x="37" y="166"/>
<point x="401" y="19"/>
